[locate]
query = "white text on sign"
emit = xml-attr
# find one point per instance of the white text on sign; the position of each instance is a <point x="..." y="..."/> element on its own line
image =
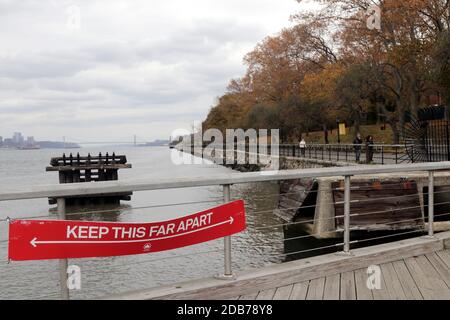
<point x="101" y="232"/>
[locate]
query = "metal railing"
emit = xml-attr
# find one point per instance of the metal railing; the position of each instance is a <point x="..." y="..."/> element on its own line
<point x="350" y="153"/>
<point x="60" y="192"/>
<point x="377" y="153"/>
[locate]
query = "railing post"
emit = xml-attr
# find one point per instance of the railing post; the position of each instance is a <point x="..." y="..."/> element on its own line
<point x="347" y="214"/>
<point x="382" y="154"/>
<point x="430" y="203"/>
<point x="63" y="263"/>
<point x="396" y="155"/>
<point x="227" y="240"/>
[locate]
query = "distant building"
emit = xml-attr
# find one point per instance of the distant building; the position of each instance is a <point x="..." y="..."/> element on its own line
<point x="18" y="138"/>
<point x="8" y="142"/>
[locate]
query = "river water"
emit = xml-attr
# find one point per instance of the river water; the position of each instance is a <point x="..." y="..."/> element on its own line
<point x="257" y="246"/>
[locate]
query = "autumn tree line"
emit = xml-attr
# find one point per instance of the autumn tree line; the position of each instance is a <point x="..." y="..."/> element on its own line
<point x="332" y="65"/>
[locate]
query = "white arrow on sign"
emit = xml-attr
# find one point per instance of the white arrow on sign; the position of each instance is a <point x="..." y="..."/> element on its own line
<point x="35" y="242"/>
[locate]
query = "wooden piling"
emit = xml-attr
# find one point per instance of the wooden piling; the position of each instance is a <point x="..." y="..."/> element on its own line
<point x="79" y="169"/>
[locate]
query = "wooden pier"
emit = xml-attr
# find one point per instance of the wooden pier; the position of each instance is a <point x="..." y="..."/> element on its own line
<point x="78" y="169"/>
<point x="417" y="268"/>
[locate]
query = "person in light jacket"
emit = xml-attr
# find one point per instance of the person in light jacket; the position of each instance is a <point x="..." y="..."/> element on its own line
<point x="302" y="145"/>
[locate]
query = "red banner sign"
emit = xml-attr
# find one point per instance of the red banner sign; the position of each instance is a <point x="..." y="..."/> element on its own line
<point x="53" y="239"/>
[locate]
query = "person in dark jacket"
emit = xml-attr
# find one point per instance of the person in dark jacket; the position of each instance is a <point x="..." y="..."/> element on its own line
<point x="369" y="149"/>
<point x="357" y="144"/>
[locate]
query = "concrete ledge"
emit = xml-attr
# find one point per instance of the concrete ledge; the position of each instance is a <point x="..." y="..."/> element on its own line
<point x="321" y="162"/>
<point x="291" y="272"/>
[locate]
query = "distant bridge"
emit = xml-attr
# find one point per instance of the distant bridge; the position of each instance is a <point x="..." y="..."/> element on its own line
<point x="135" y="140"/>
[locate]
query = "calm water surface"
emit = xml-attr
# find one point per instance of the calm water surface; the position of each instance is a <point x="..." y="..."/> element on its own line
<point x="256" y="247"/>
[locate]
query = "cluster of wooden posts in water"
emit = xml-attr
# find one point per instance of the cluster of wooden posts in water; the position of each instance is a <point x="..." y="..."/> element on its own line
<point x="78" y="169"/>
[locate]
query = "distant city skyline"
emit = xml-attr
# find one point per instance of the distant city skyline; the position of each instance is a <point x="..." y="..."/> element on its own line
<point x="122" y="68"/>
<point x="18" y="137"/>
<point x="18" y="140"/>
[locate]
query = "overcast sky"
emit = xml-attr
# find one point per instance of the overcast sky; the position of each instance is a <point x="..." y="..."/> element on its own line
<point x="104" y="70"/>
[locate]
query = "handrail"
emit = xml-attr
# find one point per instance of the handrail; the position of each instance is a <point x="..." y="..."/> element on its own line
<point x="345" y="145"/>
<point x="225" y="180"/>
<point x="296" y="144"/>
<point x="95" y="188"/>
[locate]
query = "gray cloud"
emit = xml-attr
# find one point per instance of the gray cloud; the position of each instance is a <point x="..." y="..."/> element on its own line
<point x="129" y="65"/>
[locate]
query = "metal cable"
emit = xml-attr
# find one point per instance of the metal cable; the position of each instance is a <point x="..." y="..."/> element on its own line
<point x="126" y="210"/>
<point x="338" y="217"/>
<point x="388" y="236"/>
<point x="159" y="259"/>
<point x="123" y="211"/>
<point x="145" y="207"/>
<point x="352" y="201"/>
<point x="92" y="269"/>
<point x="308" y="250"/>
<point x="321" y="219"/>
<point x="317" y="234"/>
<point x="356" y="229"/>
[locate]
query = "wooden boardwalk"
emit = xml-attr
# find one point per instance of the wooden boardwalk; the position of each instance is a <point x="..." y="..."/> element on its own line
<point x="417" y="268"/>
<point x="426" y="277"/>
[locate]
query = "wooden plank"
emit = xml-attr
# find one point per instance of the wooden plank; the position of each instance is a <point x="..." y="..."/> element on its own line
<point x="423" y="283"/>
<point x="250" y="296"/>
<point x="382" y="293"/>
<point x="393" y="285"/>
<point x="445" y="256"/>
<point x="440" y="267"/>
<point x="283" y="293"/>
<point x="348" y="288"/>
<point x="316" y="287"/>
<point x="332" y="287"/>
<point x="362" y="292"/>
<point x="440" y="289"/>
<point x="299" y="291"/>
<point x="408" y="284"/>
<point x="266" y="294"/>
<point x="289" y="272"/>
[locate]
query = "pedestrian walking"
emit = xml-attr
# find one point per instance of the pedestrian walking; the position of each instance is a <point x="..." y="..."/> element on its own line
<point x="302" y="145"/>
<point x="369" y="149"/>
<point x="357" y="145"/>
